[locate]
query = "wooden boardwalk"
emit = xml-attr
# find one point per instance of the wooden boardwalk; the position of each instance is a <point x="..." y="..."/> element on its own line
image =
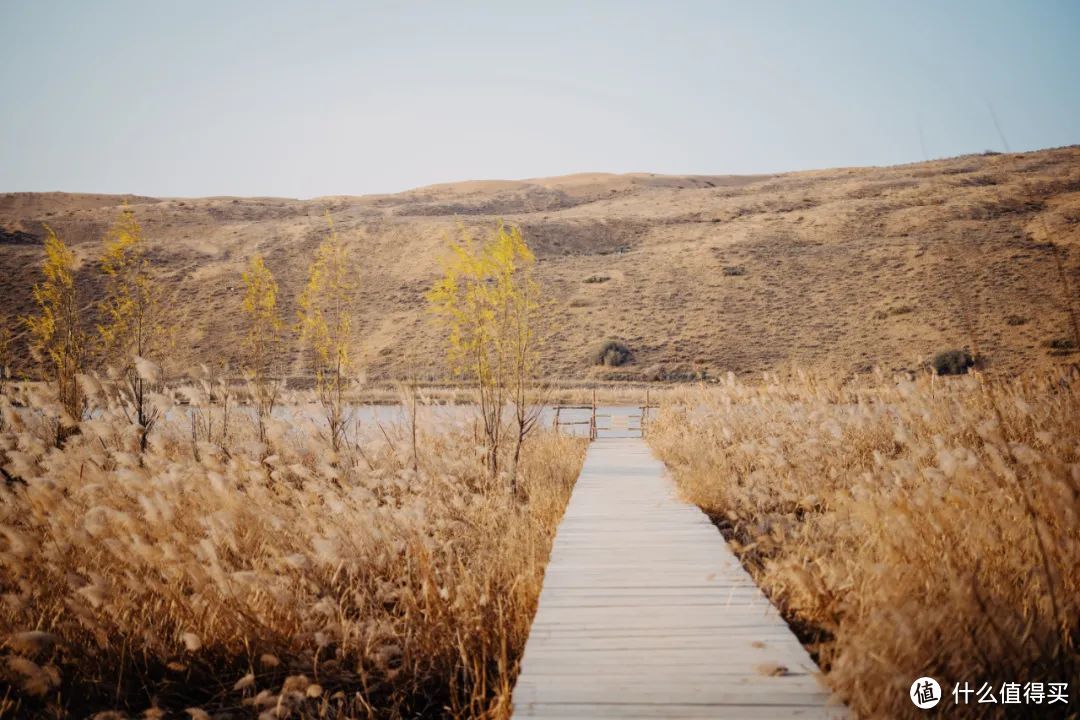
<point x="646" y="612"/>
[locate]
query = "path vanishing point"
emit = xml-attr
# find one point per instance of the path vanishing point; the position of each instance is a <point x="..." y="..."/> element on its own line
<point x="646" y="613"/>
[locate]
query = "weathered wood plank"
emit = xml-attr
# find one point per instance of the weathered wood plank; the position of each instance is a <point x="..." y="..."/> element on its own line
<point x="646" y="612"/>
<point x="680" y="711"/>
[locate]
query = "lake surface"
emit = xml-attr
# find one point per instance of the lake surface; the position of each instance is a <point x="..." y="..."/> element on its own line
<point x="612" y="420"/>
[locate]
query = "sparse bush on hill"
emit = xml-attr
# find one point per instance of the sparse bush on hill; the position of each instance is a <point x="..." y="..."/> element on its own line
<point x="894" y="310"/>
<point x="1060" y="346"/>
<point x="18" y="237"/>
<point x="952" y="362"/>
<point x="733" y="270"/>
<point x="596" y="279"/>
<point x="611" y="353"/>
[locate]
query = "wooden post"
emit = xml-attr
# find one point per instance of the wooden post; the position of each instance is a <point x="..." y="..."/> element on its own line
<point x="555" y="424"/>
<point x="412" y="423"/>
<point x="645" y="412"/>
<point x="592" y="423"/>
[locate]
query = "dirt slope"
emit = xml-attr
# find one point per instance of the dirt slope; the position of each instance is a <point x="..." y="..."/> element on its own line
<point x="839" y="269"/>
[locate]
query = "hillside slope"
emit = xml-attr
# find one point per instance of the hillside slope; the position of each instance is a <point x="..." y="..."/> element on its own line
<point x="840" y="269"/>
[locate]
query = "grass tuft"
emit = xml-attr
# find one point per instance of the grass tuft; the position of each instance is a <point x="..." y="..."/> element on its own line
<point x="952" y="362"/>
<point x="611" y="353"/>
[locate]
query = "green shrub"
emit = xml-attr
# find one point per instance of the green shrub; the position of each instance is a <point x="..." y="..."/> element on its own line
<point x="952" y="362"/>
<point x="612" y="353"/>
<point x="596" y="279"/>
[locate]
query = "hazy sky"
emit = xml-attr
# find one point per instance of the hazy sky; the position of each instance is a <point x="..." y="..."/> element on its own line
<point x="305" y="99"/>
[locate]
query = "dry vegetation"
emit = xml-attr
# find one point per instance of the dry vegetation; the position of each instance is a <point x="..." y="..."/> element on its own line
<point x="906" y="528"/>
<point x="279" y="579"/>
<point x="170" y="547"/>
<point x="214" y="556"/>
<point x="841" y="269"/>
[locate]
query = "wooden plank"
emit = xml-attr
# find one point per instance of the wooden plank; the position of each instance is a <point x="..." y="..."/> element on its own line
<point x="646" y="612"/>
<point x="679" y="711"/>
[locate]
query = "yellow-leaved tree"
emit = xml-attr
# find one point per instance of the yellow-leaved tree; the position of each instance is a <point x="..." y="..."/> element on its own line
<point x="56" y="336"/>
<point x="263" y="339"/>
<point x="489" y="300"/>
<point x="325" y="312"/>
<point x="133" y="334"/>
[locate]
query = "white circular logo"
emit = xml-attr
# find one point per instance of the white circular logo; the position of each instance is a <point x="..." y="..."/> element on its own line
<point x="925" y="693"/>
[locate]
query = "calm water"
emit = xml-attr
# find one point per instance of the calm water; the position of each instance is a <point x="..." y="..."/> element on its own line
<point x="612" y="420"/>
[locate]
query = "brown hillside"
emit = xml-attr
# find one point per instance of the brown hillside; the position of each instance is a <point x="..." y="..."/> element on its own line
<point x="841" y="269"/>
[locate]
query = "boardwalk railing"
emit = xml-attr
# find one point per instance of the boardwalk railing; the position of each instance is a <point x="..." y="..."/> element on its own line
<point x="599" y="422"/>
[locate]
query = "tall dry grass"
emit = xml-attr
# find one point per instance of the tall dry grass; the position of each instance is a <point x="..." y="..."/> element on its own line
<point x="269" y="580"/>
<point x="905" y="528"/>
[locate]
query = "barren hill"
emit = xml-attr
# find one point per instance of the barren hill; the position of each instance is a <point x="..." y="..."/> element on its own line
<point x="840" y="269"/>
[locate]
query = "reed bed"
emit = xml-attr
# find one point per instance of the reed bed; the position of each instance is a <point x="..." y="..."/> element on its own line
<point x="905" y="527"/>
<point x="215" y="575"/>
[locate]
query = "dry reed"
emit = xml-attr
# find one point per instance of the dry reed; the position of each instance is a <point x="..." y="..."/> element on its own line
<point x="905" y="528"/>
<point x="282" y="579"/>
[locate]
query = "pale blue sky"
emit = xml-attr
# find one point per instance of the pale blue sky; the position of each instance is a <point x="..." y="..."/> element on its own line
<point x="306" y="99"/>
